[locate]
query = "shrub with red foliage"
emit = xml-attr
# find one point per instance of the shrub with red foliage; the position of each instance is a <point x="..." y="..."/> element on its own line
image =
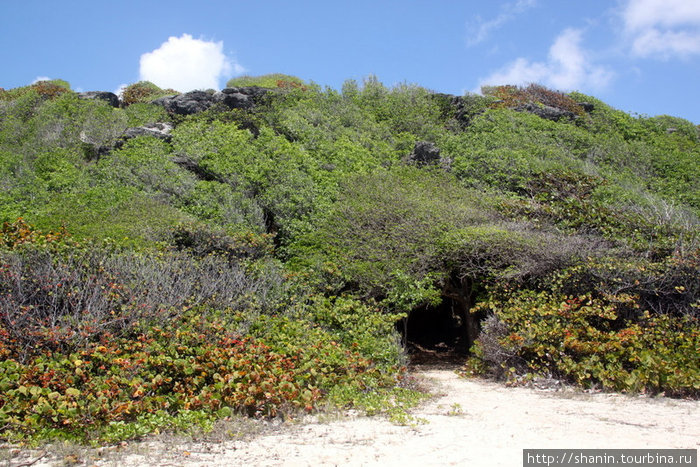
<point x="285" y="84"/>
<point x="49" y="89"/>
<point x="510" y="96"/>
<point x="19" y="232"/>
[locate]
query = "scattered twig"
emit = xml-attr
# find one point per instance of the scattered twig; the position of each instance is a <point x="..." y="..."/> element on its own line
<point x="27" y="464"/>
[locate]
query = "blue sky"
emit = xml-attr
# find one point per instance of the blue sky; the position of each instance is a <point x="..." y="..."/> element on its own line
<point x="641" y="56"/>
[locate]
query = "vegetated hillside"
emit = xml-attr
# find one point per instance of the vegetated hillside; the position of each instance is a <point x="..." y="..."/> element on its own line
<point x="169" y="260"/>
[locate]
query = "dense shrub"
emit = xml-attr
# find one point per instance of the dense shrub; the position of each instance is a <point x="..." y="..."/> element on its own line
<point x="118" y="387"/>
<point x="387" y="222"/>
<point x="404" y="232"/>
<point x="509" y="96"/>
<point x="202" y="241"/>
<point x="45" y="89"/>
<point x="140" y="114"/>
<point x="84" y="209"/>
<point x="145" y="163"/>
<point x="108" y="344"/>
<point x="571" y="200"/>
<point x="143" y="92"/>
<point x="249" y="178"/>
<point x="281" y="243"/>
<point x="273" y="80"/>
<point x="403" y="107"/>
<point x="363" y="326"/>
<point x="502" y="149"/>
<point x="61" y="299"/>
<point x="17" y="233"/>
<point x="584" y="340"/>
<point x="667" y="287"/>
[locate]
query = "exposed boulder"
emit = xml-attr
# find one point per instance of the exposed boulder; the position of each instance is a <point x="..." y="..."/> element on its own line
<point x="188" y="103"/>
<point x="157" y="130"/>
<point x="108" y="97"/>
<point x="94" y="151"/>
<point x="233" y="99"/>
<point x="547" y="112"/>
<point x="426" y="153"/>
<point x="197" y="101"/>
<point x="242" y="97"/>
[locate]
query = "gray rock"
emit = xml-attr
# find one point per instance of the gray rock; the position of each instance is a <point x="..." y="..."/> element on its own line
<point x="242" y="97"/>
<point x="188" y="103"/>
<point x="255" y="92"/>
<point x="234" y="100"/>
<point x="424" y="153"/>
<point x="197" y="101"/>
<point x="157" y="130"/>
<point x="108" y="97"/>
<point x="546" y="112"/>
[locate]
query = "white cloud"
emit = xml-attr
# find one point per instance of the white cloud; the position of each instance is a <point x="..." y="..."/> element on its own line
<point x="568" y="67"/>
<point x="41" y="78"/>
<point x="184" y="64"/>
<point x="662" y="28"/>
<point x="479" y="32"/>
<point x="654" y="42"/>
<point x="641" y="14"/>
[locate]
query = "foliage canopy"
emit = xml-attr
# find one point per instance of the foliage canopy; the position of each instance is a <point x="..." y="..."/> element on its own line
<point x="257" y="260"/>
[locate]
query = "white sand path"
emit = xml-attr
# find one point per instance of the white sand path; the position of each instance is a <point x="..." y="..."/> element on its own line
<point x="469" y="422"/>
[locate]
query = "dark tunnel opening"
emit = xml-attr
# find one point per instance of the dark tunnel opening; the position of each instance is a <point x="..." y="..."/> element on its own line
<point x="444" y="332"/>
<point x="439" y="333"/>
<point x="438" y="328"/>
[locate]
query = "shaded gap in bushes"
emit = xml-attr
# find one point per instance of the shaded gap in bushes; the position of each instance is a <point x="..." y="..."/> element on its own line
<point x="447" y="330"/>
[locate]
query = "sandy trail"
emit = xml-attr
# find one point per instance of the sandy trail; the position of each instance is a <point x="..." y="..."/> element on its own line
<point x="469" y="422"/>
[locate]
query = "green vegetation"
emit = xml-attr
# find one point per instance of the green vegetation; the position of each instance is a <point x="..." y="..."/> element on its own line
<point x="272" y="81"/>
<point x="143" y="92"/>
<point x="260" y="261"/>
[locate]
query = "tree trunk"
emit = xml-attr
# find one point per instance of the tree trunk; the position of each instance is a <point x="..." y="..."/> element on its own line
<point x="459" y="290"/>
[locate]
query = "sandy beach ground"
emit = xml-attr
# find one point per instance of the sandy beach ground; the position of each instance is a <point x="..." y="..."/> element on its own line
<point x="466" y="422"/>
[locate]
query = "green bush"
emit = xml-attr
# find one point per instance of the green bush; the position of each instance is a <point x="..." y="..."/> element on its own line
<point x="140" y="114"/>
<point x="404" y="107"/>
<point x="45" y="89"/>
<point x="585" y="340"/>
<point x="386" y="222"/>
<point x="143" y="92"/>
<point x="364" y="327"/>
<point x="272" y="81"/>
<point x="60" y="300"/>
<point x="248" y="178"/>
<point x="188" y="365"/>
<point x="105" y="344"/>
<point x="513" y="96"/>
<point x="286" y="240"/>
